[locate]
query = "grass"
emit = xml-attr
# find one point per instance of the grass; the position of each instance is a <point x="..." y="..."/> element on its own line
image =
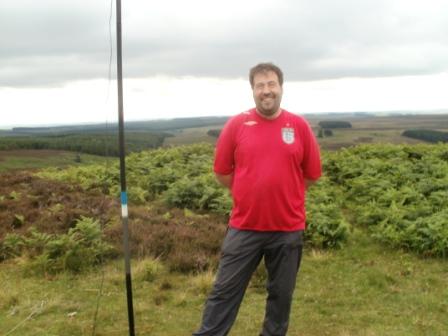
<point x="365" y="289"/>
<point x="350" y="137"/>
<point x="362" y="289"/>
<point x="380" y="129"/>
<point x="191" y="135"/>
<point x="36" y="159"/>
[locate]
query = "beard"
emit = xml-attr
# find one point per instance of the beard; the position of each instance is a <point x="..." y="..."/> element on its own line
<point x="268" y="105"/>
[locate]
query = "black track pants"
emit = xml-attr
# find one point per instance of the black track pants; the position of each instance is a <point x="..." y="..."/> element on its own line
<point x="242" y="251"/>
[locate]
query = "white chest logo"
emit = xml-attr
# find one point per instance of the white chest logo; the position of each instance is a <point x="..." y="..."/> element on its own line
<point x="288" y="135"/>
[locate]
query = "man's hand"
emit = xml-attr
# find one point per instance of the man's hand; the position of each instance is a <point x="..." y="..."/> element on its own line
<point x="225" y="180"/>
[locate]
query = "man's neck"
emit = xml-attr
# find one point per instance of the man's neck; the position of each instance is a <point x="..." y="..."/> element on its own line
<point x="271" y="117"/>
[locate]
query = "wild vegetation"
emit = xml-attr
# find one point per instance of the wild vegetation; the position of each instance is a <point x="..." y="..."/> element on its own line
<point x="405" y="203"/>
<point x="32" y="207"/>
<point x="19" y="160"/>
<point x="74" y="251"/>
<point x="374" y="264"/>
<point x="399" y="192"/>
<point x="169" y="179"/>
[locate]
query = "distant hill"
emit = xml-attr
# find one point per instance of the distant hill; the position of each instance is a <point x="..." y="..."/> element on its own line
<point x="100" y="139"/>
<point x="149" y="125"/>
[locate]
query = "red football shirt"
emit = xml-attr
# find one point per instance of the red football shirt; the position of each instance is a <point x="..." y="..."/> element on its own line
<point x="270" y="160"/>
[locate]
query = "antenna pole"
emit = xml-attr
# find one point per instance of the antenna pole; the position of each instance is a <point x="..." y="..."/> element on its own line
<point x="124" y="196"/>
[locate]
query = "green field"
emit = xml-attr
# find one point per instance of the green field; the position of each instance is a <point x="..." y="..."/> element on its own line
<point x="363" y="289"/>
<point x="191" y="135"/>
<point x="365" y="129"/>
<point x="378" y="129"/>
<point x="385" y="206"/>
<point x="35" y="159"/>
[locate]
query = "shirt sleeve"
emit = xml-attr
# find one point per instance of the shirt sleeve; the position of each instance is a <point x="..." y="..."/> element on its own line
<point x="225" y="149"/>
<point x="311" y="164"/>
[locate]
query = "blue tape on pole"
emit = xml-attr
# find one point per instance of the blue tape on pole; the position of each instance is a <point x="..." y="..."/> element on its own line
<point x="124" y="204"/>
<point x="124" y="198"/>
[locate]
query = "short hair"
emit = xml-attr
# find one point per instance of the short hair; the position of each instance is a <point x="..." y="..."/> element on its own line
<point x="263" y="68"/>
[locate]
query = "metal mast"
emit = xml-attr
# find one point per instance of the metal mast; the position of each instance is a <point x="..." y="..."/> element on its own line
<point x="124" y="196"/>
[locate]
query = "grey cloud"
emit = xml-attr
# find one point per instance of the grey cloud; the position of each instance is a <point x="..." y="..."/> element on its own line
<point x="309" y="40"/>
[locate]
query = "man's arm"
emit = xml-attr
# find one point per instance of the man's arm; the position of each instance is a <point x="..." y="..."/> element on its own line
<point x="225" y="180"/>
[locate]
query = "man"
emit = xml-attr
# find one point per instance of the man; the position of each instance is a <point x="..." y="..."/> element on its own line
<point x="267" y="157"/>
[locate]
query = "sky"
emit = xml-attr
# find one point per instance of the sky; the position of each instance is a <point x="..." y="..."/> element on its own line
<point x="192" y="58"/>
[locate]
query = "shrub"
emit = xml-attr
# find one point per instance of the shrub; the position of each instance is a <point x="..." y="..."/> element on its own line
<point x="12" y="246"/>
<point x="79" y="249"/>
<point x="398" y="192"/>
<point x="334" y="124"/>
<point x="426" y="135"/>
<point x="203" y="282"/>
<point x="199" y="193"/>
<point x="214" y="133"/>
<point x="149" y="269"/>
<point x="326" y="225"/>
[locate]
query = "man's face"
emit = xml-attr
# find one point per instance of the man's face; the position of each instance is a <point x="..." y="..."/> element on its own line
<point x="267" y="93"/>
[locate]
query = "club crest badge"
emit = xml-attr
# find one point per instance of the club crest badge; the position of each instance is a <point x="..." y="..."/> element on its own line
<point x="288" y="135"/>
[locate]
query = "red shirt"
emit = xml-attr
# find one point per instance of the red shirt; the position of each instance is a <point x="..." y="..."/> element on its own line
<point x="270" y="160"/>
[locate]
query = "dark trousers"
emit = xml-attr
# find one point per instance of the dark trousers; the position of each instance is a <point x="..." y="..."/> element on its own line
<point x="242" y="251"/>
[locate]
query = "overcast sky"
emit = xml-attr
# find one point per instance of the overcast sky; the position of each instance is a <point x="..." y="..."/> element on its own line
<point x="191" y="58"/>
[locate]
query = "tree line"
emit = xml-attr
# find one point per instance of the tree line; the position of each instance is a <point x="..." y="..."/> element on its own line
<point x="426" y="135"/>
<point x="103" y="144"/>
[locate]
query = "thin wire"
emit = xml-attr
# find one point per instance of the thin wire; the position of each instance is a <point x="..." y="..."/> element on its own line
<point x="100" y="291"/>
<point x="110" y="52"/>
<point x="100" y="294"/>
<point x="34" y="311"/>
